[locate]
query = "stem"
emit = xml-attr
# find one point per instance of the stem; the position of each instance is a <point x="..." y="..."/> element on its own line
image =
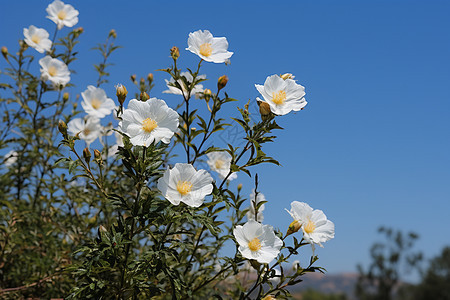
<point x="237" y="159"/>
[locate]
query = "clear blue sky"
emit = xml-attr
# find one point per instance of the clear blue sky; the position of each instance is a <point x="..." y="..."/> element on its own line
<point x="372" y="146"/>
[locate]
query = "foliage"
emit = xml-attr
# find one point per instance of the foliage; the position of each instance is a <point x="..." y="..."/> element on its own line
<point x="316" y="295"/>
<point x="390" y="259"/>
<point x="435" y="282"/>
<point x="93" y="223"/>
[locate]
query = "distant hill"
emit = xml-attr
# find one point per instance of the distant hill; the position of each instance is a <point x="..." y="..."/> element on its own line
<point x="343" y="283"/>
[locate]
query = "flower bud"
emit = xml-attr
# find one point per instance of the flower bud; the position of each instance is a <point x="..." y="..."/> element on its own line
<point x="133" y="78"/>
<point x="142" y="81"/>
<point x="121" y="93"/>
<point x="150" y="78"/>
<point x="239" y="187"/>
<point x="144" y="96"/>
<point x="5" y="52"/>
<point x="23" y="46"/>
<point x="87" y="154"/>
<point x="269" y="297"/>
<point x="222" y="82"/>
<point x="97" y="155"/>
<point x="112" y="33"/>
<point x="102" y="229"/>
<point x="208" y="94"/>
<point x="293" y="227"/>
<point x="287" y="76"/>
<point x="79" y="30"/>
<point x="264" y="110"/>
<point x="175" y="52"/>
<point x="62" y="127"/>
<point x="66" y="96"/>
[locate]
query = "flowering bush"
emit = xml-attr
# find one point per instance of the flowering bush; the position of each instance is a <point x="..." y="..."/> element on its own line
<point x="131" y="219"/>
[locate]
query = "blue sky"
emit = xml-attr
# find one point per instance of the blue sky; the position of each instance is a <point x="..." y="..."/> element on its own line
<point x="372" y="146"/>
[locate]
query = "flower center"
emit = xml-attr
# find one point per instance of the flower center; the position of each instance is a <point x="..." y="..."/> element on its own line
<point x="205" y="49"/>
<point x="62" y="15"/>
<point x="52" y="71"/>
<point x="219" y="164"/>
<point x="86" y="132"/>
<point x="96" y="103"/>
<point x="184" y="187"/>
<point x="35" y="39"/>
<point x="254" y="244"/>
<point x="310" y="227"/>
<point x="148" y="125"/>
<point x="279" y="97"/>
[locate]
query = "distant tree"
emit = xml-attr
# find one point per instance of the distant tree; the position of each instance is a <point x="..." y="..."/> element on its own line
<point x="390" y="259"/>
<point x="436" y="280"/>
<point x="316" y="295"/>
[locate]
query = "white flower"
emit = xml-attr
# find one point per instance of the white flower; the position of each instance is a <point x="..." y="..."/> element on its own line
<point x="276" y="278"/>
<point x="314" y="224"/>
<point x="96" y="103"/>
<point x="184" y="184"/>
<point x="119" y="143"/>
<point x="282" y="95"/>
<point x="10" y="158"/>
<point x="62" y="14"/>
<point x="208" y="47"/>
<point x="37" y="38"/>
<point x="253" y="203"/>
<point x="148" y="122"/>
<point x="295" y="265"/>
<point x="220" y="161"/>
<point x="257" y="241"/>
<point x="54" y="70"/>
<point x="89" y="129"/>
<point x="174" y="90"/>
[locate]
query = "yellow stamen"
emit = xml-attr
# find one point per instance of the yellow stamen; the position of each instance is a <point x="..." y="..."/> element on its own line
<point x="86" y="132"/>
<point x="148" y="125"/>
<point x="279" y="97"/>
<point x="62" y="15"/>
<point x="184" y="187"/>
<point x="35" y="39"/>
<point x="310" y="227"/>
<point x="219" y="164"/>
<point x="254" y="244"/>
<point x="206" y="49"/>
<point x="52" y="71"/>
<point x="96" y="103"/>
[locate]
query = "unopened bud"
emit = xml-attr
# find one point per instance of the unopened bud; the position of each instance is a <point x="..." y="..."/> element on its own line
<point x="112" y="33"/>
<point x="142" y="81"/>
<point x="264" y="110"/>
<point x="294" y="227"/>
<point x="79" y="30"/>
<point x="208" y="94"/>
<point x="222" y="82"/>
<point x="175" y="52"/>
<point x="269" y="297"/>
<point x="150" y="78"/>
<point x="102" y="229"/>
<point x="133" y="78"/>
<point x="87" y="154"/>
<point x="144" y="96"/>
<point x="239" y="187"/>
<point x="66" y="96"/>
<point x="121" y="93"/>
<point x="287" y="76"/>
<point x="62" y="127"/>
<point x="5" y="52"/>
<point x="97" y="155"/>
<point x="23" y="46"/>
